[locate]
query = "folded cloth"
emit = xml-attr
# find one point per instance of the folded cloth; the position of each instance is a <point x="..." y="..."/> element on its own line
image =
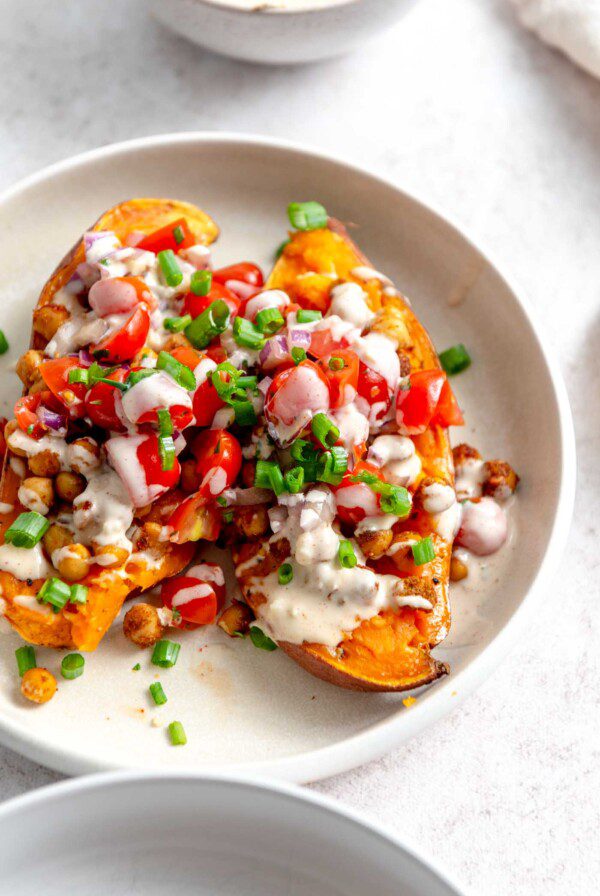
<point x="571" y="25"/>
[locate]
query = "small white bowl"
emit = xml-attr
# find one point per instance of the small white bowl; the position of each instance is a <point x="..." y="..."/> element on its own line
<point x="279" y="32"/>
<point x="182" y="834"/>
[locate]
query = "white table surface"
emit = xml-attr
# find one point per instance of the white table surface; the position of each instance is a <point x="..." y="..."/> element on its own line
<point x="460" y="106"/>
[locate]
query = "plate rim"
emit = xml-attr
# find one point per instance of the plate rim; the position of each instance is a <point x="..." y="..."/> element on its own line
<point x="383" y="736"/>
<point x="276" y="787"/>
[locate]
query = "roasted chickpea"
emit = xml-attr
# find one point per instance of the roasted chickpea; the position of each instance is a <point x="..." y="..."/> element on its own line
<point x="84" y="455"/>
<point x="251" y="521"/>
<point x="177" y="340"/>
<point x="73" y="562"/>
<point x="142" y="625"/>
<point x="45" y="463"/>
<point x="464" y="452"/>
<point x="38" y="685"/>
<point x="390" y="321"/>
<point x="500" y="480"/>
<point x="375" y="543"/>
<point x="110" y="555"/>
<point x="236" y="618"/>
<point x="28" y="367"/>
<point x="152" y="533"/>
<point x="56" y="537"/>
<point x="69" y="486"/>
<point x="458" y="569"/>
<point x="48" y="318"/>
<point x="37" y="493"/>
<point x="190" y="480"/>
<point x="11" y="427"/>
<point x="37" y="386"/>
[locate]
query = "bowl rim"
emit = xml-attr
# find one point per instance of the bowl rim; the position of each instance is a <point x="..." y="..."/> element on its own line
<point x="449" y="693"/>
<point x="293" y="794"/>
<point x="264" y="8"/>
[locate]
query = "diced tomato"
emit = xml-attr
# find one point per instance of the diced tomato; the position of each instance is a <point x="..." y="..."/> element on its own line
<point x="117" y="295"/>
<point x="322" y="343"/>
<point x="219" y="460"/>
<point x="149" y="458"/>
<point x="206" y="403"/>
<point x="244" y="271"/>
<point x="194" y="599"/>
<point x="176" y="236"/>
<point x="187" y="355"/>
<point x="216" y="353"/>
<point x="195" y="305"/>
<point x="296" y="391"/>
<point x="26" y="417"/>
<point x="181" y="414"/>
<point x="126" y="341"/>
<point x="100" y="402"/>
<point x="197" y="517"/>
<point x="447" y="412"/>
<point x="374" y="389"/>
<point x="343" y="382"/>
<point x="355" y="500"/>
<point x="429" y="400"/>
<point x="211" y="573"/>
<point x="55" y="374"/>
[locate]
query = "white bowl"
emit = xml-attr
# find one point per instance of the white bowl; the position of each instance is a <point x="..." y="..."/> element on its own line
<point x="279" y="32"/>
<point x="244" y="709"/>
<point x="180" y="834"/>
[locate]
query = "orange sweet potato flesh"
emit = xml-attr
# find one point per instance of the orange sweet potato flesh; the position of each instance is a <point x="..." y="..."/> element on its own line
<point x="84" y="627"/>
<point x="390" y="652"/>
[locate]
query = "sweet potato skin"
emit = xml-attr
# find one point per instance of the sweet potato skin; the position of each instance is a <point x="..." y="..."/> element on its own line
<point x="390" y="652"/>
<point x="83" y="628"/>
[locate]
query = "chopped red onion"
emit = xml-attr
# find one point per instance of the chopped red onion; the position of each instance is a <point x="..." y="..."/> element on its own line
<point x="247" y="496"/>
<point x="52" y="419"/>
<point x="275" y="351"/>
<point x="88" y="273"/>
<point x="299" y="338"/>
<point x="263" y="385"/>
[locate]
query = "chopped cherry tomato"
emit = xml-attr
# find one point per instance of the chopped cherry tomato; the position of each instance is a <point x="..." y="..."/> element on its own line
<point x="416" y="406"/>
<point x="296" y="394"/>
<point x="195" y="305"/>
<point x="181" y="414"/>
<point x="55" y="374"/>
<point x="447" y="412"/>
<point x="149" y="458"/>
<point x="343" y="381"/>
<point x="219" y="460"/>
<point x="206" y="403"/>
<point x="126" y="341"/>
<point x="176" y="236"/>
<point x="322" y="343"/>
<point x="216" y="353"/>
<point x="374" y="389"/>
<point x="193" y="598"/>
<point x="355" y="500"/>
<point x="100" y="402"/>
<point x="26" y="417"/>
<point x="188" y="356"/>
<point x="245" y="272"/>
<point x="211" y="573"/>
<point x="197" y="517"/>
<point x="117" y="295"/>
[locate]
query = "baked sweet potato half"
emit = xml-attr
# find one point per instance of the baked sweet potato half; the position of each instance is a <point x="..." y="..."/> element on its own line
<point x="405" y="548"/>
<point x="55" y="452"/>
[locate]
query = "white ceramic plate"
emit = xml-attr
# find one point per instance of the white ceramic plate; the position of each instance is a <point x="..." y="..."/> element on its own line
<point x="244" y="709"/>
<point x="129" y="835"/>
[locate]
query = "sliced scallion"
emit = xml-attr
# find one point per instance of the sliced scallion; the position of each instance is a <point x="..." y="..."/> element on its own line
<point x="27" y="529"/>
<point x="285" y="573"/>
<point x="294" y="479"/>
<point x="201" y="283"/>
<point x="269" y="320"/>
<point x="307" y="316"/>
<point x="157" y="693"/>
<point x="79" y="594"/>
<point x="72" y="666"/>
<point x="3" y="343"/>
<point x="307" y="215"/>
<point x="177" y="734"/>
<point x="260" y="640"/>
<point x="25" y="658"/>
<point x="298" y="354"/>
<point x="324" y="430"/>
<point x="54" y="592"/>
<point x="177" y="324"/>
<point x="347" y="554"/>
<point x="180" y="373"/>
<point x="210" y="323"/>
<point x="423" y="551"/>
<point x="166" y="451"/>
<point x="455" y="359"/>
<point x="165" y="423"/>
<point x="165" y="653"/>
<point x="247" y="335"/>
<point x="268" y="475"/>
<point x="170" y="269"/>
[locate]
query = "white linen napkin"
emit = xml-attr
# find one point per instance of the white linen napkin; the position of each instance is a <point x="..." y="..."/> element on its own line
<point x="571" y="25"/>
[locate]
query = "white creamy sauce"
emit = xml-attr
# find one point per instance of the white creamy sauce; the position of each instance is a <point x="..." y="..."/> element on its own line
<point x="77" y="332"/>
<point x="17" y="465"/>
<point x="24" y="563"/>
<point x="223" y="418"/>
<point x="81" y="459"/>
<point x="353" y="426"/>
<point x="122" y="452"/>
<point x="379" y="352"/>
<point x="436" y="497"/>
<point x="67" y="552"/>
<point x="270" y="298"/>
<point x="157" y="391"/>
<point x="6" y="508"/>
<point x="469" y="478"/>
<point x="365" y="273"/>
<point x="358" y="495"/>
<point x="194" y="592"/>
<point x="483" y="528"/>
<point x="30" y="602"/>
<point x="31" y="500"/>
<point x="349" y="302"/>
<point x="103" y="512"/>
<point x="447" y="522"/>
<point x="203" y="369"/>
<point x="381" y="522"/>
<point x="397" y="457"/>
<point x="207" y="573"/>
<point x="55" y="445"/>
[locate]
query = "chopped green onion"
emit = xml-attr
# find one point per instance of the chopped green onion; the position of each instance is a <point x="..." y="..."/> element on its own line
<point x="268" y="475"/>
<point x="136" y="375"/>
<point x="455" y="359"/>
<point x="245" y="415"/>
<point x="27" y="529"/>
<point x="79" y="375"/>
<point x="3" y="343"/>
<point x="177" y="324"/>
<point x="72" y="666"/>
<point x="210" y="323"/>
<point x="306" y="316"/>
<point x="182" y="375"/>
<point x="79" y="594"/>
<point x="280" y="248"/>
<point x="325" y="469"/>
<point x="307" y="215"/>
<point x="54" y="592"/>
<point x="298" y="354"/>
<point x="136" y="668"/>
<point x="177" y="734"/>
<point x="325" y="430"/>
<point x="228" y="516"/>
<point x="166" y="451"/>
<point x="247" y="382"/>
<point x="165" y="423"/>
<point x="269" y="320"/>
<point x="169" y="267"/>
<point x="25" y="659"/>
<point x="165" y="653"/>
<point x="246" y="334"/>
<point x="347" y="555"/>
<point x="294" y="479"/>
<point x="122" y="387"/>
<point x="307" y="456"/>
<point x="260" y="640"/>
<point x="336" y="363"/>
<point x="423" y="551"/>
<point x="158" y="695"/>
<point x="178" y="234"/>
<point x="201" y="283"/>
<point x="285" y="573"/>
<point x="395" y="500"/>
